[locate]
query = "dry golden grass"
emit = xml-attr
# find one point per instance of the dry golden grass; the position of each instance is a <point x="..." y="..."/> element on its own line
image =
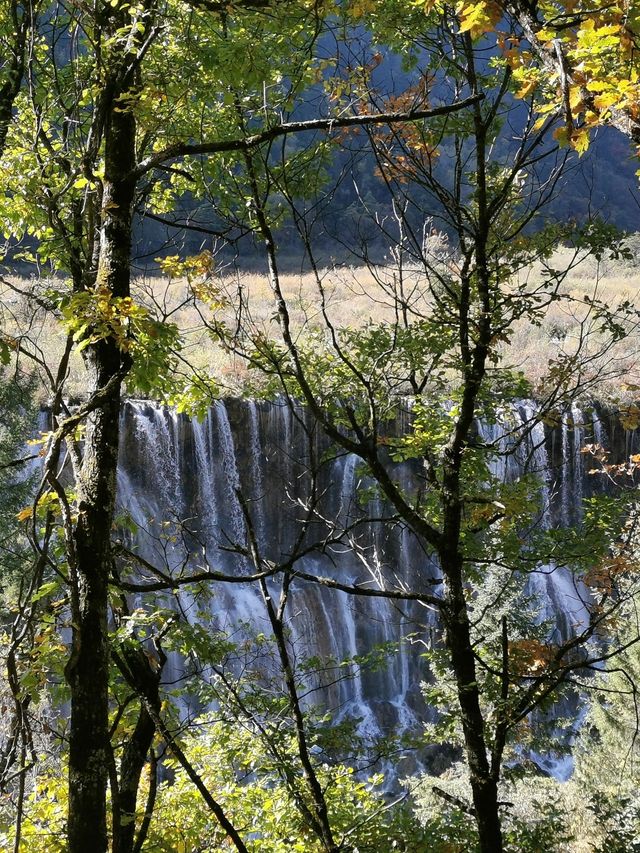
<point x="570" y="326"/>
<point x="352" y="297"/>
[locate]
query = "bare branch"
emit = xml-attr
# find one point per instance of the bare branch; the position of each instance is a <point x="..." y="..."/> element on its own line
<point x="186" y="149"/>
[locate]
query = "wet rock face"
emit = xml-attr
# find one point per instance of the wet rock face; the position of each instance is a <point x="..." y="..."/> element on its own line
<point x="184" y="483"/>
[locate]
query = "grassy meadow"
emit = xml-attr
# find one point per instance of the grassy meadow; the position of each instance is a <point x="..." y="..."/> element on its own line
<point x="353" y="296"/>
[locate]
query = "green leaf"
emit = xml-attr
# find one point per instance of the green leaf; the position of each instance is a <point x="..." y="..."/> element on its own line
<point x="45" y="590"/>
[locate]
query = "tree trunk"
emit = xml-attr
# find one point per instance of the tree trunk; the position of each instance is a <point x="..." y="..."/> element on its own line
<point x="23" y="18"/>
<point x="88" y="667"/>
<point x="474" y="351"/>
<point x="147" y="680"/>
<point x="458" y="640"/>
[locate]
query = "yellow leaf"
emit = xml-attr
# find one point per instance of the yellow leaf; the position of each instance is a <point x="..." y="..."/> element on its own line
<point x="580" y="141"/>
<point x="597" y="85"/>
<point x="575" y="97"/>
<point x="589" y="24"/>
<point x="603" y="102"/>
<point x="478" y="18"/>
<point x="25" y="513"/>
<point x="561" y="135"/>
<point x="527" y="88"/>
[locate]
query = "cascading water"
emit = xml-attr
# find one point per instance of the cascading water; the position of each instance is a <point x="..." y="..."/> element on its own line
<point x="263" y="453"/>
<point x="257" y="459"/>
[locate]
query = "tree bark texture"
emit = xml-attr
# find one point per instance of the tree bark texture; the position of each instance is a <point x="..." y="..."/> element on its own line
<point x="88" y="667"/>
<point x="136" y="750"/>
<point x="458" y="641"/>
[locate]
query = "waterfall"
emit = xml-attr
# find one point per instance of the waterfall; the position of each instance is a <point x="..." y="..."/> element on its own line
<point x="257" y="496"/>
<point x="173" y="468"/>
<point x="206" y="480"/>
<point x="231" y="478"/>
